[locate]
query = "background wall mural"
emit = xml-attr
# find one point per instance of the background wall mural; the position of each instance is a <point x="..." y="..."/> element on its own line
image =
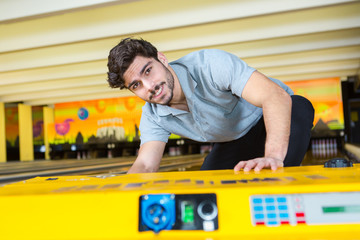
<point x="325" y="95"/>
<point x="104" y="120"/>
<point x="12" y="126"/>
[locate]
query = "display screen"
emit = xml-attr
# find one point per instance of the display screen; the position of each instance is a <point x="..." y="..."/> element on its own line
<point x="187" y="212"/>
<point x="341" y="209"/>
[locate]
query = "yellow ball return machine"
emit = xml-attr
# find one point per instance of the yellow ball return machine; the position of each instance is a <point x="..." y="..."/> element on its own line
<point x="308" y="202"/>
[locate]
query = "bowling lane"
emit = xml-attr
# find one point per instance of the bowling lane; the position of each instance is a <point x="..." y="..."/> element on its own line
<point x="17" y="171"/>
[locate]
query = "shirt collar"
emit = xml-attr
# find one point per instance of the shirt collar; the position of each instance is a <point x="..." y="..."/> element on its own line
<point x="188" y="86"/>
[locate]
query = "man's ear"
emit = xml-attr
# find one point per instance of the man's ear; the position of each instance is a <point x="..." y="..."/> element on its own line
<point x="162" y="59"/>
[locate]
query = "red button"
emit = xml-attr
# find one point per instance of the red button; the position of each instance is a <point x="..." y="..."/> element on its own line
<point x="260" y="223"/>
<point x="285" y="222"/>
<point x="301" y="221"/>
<point x="300" y="214"/>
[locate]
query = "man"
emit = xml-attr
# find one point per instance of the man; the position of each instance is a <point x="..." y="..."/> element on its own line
<point x="212" y="96"/>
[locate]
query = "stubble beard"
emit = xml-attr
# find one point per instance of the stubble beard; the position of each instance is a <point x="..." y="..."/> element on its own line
<point x="165" y="99"/>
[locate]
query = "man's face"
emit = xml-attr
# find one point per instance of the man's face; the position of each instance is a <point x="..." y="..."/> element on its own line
<point x="150" y="80"/>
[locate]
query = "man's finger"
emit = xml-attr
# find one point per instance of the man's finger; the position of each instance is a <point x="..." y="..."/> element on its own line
<point x="249" y="165"/>
<point x="259" y="166"/>
<point x="275" y="164"/>
<point x="239" y="166"/>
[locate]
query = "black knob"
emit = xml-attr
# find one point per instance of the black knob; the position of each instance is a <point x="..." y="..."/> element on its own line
<point x="338" y="163"/>
<point x="207" y="210"/>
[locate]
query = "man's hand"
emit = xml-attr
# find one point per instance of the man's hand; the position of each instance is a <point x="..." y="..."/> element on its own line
<point x="259" y="163"/>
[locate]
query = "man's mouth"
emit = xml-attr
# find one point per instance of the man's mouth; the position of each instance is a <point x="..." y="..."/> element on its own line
<point x="158" y="91"/>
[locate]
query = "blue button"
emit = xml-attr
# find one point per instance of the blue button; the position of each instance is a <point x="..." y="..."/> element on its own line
<point x="258" y="208"/>
<point x="283" y="207"/>
<point x="269" y="200"/>
<point x="270" y="208"/>
<point x="281" y="199"/>
<point x="272" y="223"/>
<point x="259" y="216"/>
<point x="257" y="200"/>
<point x="284" y="215"/>
<point x="271" y="215"/>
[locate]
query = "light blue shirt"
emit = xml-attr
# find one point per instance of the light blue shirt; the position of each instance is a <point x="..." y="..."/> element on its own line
<point x="212" y="81"/>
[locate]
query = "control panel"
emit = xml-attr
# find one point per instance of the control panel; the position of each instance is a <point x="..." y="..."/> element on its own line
<point x="307" y="208"/>
<point x="308" y="202"/>
<point x="178" y="212"/>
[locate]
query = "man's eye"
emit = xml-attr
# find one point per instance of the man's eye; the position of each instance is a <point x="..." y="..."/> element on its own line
<point x="135" y="85"/>
<point x="148" y="71"/>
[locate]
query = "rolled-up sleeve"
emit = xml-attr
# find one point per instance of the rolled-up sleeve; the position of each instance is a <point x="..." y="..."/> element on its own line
<point x="150" y="130"/>
<point x="229" y="72"/>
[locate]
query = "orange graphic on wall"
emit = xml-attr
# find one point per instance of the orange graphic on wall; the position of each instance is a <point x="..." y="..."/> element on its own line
<point x="325" y="95"/>
<point x="104" y="120"/>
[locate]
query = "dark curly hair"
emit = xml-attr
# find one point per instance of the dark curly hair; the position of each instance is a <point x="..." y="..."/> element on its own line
<point x="121" y="57"/>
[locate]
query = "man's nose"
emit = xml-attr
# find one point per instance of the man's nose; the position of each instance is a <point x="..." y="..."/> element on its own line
<point x="149" y="85"/>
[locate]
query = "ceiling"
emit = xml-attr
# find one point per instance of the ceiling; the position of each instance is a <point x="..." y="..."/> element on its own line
<point x="53" y="53"/>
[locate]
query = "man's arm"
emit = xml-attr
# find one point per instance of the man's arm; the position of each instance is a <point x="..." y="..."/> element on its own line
<point x="148" y="160"/>
<point x="276" y="104"/>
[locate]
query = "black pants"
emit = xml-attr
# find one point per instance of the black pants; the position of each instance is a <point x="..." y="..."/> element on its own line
<point x="226" y="155"/>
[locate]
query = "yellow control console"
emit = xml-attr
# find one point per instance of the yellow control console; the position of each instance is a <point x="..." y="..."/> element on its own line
<point x="309" y="202"/>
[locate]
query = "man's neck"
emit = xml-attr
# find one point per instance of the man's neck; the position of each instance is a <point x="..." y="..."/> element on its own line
<point x="180" y="106"/>
<point x="179" y="100"/>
